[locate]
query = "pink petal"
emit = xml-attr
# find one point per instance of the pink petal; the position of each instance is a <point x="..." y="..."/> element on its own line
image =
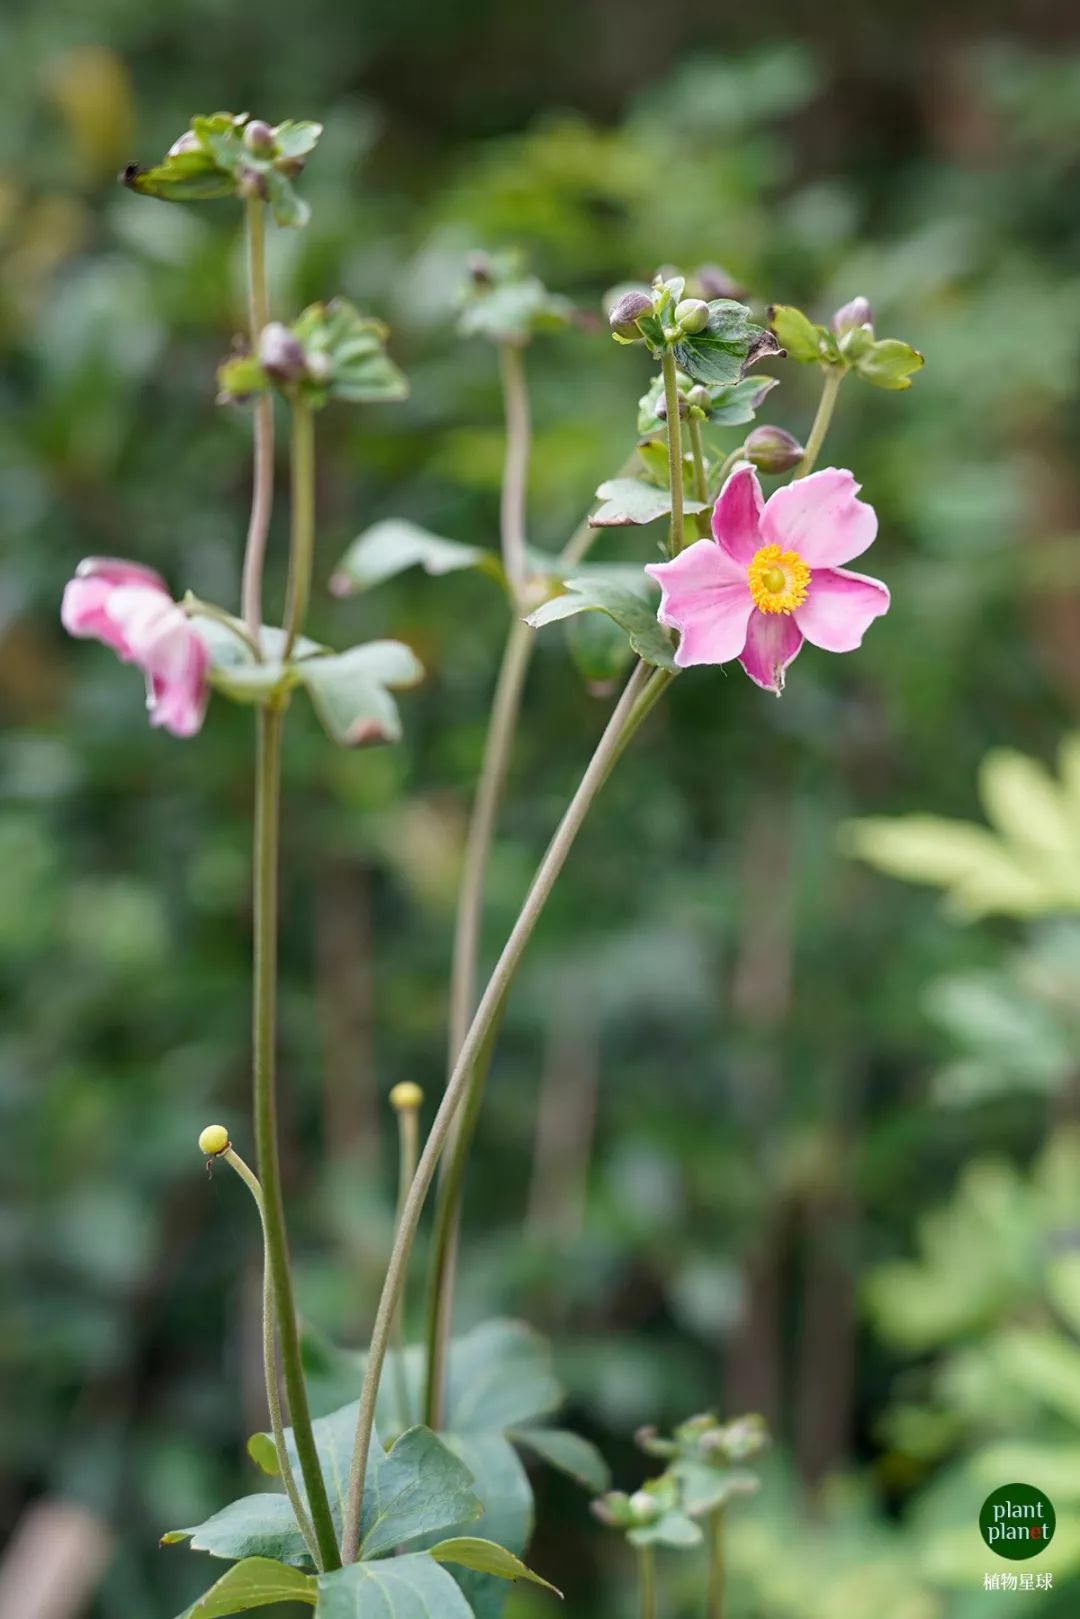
<point x="820" y="518"/>
<point x="118" y="571"/>
<point x="839" y="608"/>
<point x="772" y="640"/>
<point x="705" y="596"/>
<point x="736" y="518"/>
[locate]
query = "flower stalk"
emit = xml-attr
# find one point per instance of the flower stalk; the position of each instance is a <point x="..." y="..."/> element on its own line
<point x="647" y="1581"/>
<point x="611" y="744"/>
<point x="515" y="468"/>
<point x="714" y="1536"/>
<point x="834" y="376"/>
<point x="676" y="538"/>
<point x="302" y="541"/>
<point x="262" y="491"/>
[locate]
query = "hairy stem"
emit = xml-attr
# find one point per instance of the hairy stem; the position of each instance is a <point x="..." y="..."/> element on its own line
<point x="270" y="1366"/>
<point x="647" y="1580"/>
<point x="701" y="477"/>
<point x="267" y="817"/>
<point x="262" y="492"/>
<point x="714" y="1532"/>
<point x="676" y="538"/>
<point x="408" y="1150"/>
<point x="607" y="751"/>
<point x="302" y="540"/>
<point x="515" y="468"/>
<point x="826" y="404"/>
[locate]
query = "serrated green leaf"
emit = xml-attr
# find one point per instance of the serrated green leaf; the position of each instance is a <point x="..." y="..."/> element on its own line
<point x="629" y="502"/>
<point x="392" y="546"/>
<point x="799" y="336"/>
<point x="351" y="690"/>
<point x="629" y="608"/>
<point x="411" y="1587"/>
<point x="569" y="1453"/>
<point x="487" y="1557"/>
<point x="888" y="363"/>
<point x="729" y="344"/>
<point x="255" y="1583"/>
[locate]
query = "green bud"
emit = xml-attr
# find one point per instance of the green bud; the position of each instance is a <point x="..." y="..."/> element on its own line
<point x="644" y="1508"/>
<point x="771" y="449"/>
<point x="692" y="315"/>
<point x="213" y="1140"/>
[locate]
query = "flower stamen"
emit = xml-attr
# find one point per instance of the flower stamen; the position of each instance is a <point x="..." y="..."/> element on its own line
<point x="777" y="579"/>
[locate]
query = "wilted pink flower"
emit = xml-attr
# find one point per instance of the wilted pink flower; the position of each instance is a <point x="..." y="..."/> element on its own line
<point x="769" y="580"/>
<point x="129" y="608"/>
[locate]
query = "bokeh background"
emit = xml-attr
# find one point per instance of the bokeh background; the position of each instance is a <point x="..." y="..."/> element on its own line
<point x="740" y="1070"/>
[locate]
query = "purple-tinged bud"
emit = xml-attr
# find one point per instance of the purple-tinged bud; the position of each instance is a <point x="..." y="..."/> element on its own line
<point x="259" y="138"/>
<point x="716" y="282"/>
<point x="698" y="398"/>
<point x="479" y="268"/>
<point x="627" y="311"/>
<point x="661" y="407"/>
<point x="692" y="315"/>
<point x="187" y="142"/>
<point x="771" y="449"/>
<point x="281" y="355"/>
<point x="850" y="315"/>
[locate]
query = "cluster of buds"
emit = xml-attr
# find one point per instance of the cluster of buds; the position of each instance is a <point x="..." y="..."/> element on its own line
<point x="685" y="317"/>
<point x="706" y="1438"/>
<point x="330" y="352"/>
<point x="230" y="154"/>
<point x="847" y="343"/>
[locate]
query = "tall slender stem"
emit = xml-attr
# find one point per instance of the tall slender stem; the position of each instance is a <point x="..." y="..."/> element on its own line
<point x="408" y="1151"/>
<point x="674" y="449"/>
<point x="647" y="1580"/>
<point x="262" y="492"/>
<point x="714" y="1531"/>
<point x="264" y="1019"/>
<point x="302" y="540"/>
<point x="729" y="464"/>
<point x="270" y="1367"/>
<point x="829" y="389"/>
<point x="701" y="477"/>
<point x="550" y="866"/>
<point x="515" y="467"/>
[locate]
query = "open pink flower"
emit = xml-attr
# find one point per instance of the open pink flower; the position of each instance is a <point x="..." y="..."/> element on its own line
<point x="770" y="579"/>
<point x="129" y="608"/>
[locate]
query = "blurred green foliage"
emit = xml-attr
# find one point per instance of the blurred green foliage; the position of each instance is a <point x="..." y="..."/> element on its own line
<point x="724" y="1021"/>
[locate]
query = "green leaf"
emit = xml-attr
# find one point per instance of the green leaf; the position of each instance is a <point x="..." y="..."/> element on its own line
<point x="728" y="345"/>
<point x="802" y="340"/>
<point x="254" y="1583"/>
<point x="703" y="1487"/>
<point x="412" y="1587"/>
<point x="598" y="647"/>
<point x="486" y="1557"/>
<point x="627" y="606"/>
<point x="569" y="1453"/>
<point x="287" y="206"/>
<point x="888" y="363"/>
<point x="630" y="502"/>
<point x="259" y="1526"/>
<point x="187" y="177"/>
<point x="351" y="690"/>
<point x="509" y="306"/>
<point x="739" y="402"/>
<point x="297" y="137"/>
<point x="392" y="546"/>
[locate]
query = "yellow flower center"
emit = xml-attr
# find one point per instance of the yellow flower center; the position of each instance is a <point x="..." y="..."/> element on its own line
<point x="777" y="579"/>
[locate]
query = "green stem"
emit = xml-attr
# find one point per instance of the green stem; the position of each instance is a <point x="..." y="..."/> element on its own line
<point x="479" y="1030"/>
<point x="701" y="477"/>
<point x="515" y="468"/>
<point x="497" y="748"/>
<point x="267" y="818"/>
<point x="647" y="1579"/>
<point x="302" y="542"/>
<point x="262" y="493"/>
<point x="729" y="464"/>
<point x="714" y="1530"/>
<point x="408" y="1148"/>
<point x="834" y="375"/>
<point x="270" y="1367"/>
<point x="676" y="538"/>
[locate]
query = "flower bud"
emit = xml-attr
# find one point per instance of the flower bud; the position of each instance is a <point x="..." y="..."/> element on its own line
<point x="627" y="311"/>
<point x="259" y="138"/>
<point x="281" y="355"/>
<point x="692" y="315"/>
<point x="644" y="1508"/>
<point x="716" y="282"/>
<point x="698" y="398"/>
<point x="406" y="1096"/>
<point x="479" y="268"/>
<point x="850" y="315"/>
<point x="661" y="407"/>
<point x="771" y="449"/>
<point x="214" y="1140"/>
<point x="187" y="142"/>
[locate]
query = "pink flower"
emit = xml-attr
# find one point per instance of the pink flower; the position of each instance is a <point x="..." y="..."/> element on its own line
<point x="129" y="608"/>
<point x="769" y="580"/>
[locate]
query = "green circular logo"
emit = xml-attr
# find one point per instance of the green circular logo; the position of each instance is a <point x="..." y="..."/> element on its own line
<point x="1017" y="1521"/>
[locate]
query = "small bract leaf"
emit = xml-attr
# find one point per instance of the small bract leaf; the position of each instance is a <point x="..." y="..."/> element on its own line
<point x="254" y="1583"/>
<point x="351" y="690"/>
<point x="631" y="501"/>
<point x="799" y="336"/>
<point x="725" y="348"/>
<point x="672" y="1529"/>
<point x="888" y="363"/>
<point x="389" y="547"/>
<point x="487" y="1557"/>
